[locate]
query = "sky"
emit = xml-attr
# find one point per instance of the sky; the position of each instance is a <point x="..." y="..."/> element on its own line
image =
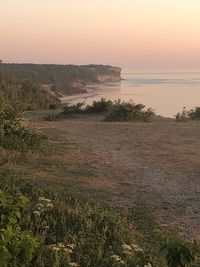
<point x="137" y="34"/>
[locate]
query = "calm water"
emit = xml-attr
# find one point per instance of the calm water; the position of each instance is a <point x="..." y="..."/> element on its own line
<point x="166" y="93"/>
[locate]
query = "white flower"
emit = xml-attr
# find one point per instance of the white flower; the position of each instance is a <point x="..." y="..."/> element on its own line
<point x="69" y="251"/>
<point x="148" y="265"/>
<point x="54" y="248"/>
<point x="72" y="246"/>
<point x="118" y="259"/>
<point x="41" y="198"/>
<point x="49" y="205"/>
<point x="61" y="245"/>
<point x="73" y="264"/>
<point x="40" y="205"/>
<point x="37" y="213"/>
<point x="136" y="248"/>
<point x="127" y="247"/>
<point x="44" y="199"/>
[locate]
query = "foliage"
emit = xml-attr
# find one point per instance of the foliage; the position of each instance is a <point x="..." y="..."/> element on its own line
<point x="68" y="79"/>
<point x="79" y="232"/>
<point x="128" y="111"/>
<point x="194" y="114"/>
<point x="100" y="106"/>
<point x="16" y="246"/>
<point x="180" y="253"/>
<point x="69" y="110"/>
<point x="113" y="111"/>
<point x="183" y="116"/>
<point x="14" y="134"/>
<point x="28" y="92"/>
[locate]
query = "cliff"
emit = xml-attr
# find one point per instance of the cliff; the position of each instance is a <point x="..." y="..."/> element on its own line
<point x="62" y="79"/>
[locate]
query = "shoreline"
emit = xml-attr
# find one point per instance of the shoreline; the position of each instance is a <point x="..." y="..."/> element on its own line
<point x="90" y="92"/>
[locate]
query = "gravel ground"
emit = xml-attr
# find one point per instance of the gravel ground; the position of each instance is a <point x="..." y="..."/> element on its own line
<point x="154" y="165"/>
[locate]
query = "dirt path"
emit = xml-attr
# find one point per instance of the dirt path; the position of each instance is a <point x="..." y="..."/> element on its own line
<point x="154" y="165"/>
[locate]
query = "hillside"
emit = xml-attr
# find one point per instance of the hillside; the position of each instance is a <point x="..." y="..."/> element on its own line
<point x="65" y="79"/>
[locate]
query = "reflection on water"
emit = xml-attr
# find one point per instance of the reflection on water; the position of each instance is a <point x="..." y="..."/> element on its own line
<point x="167" y="93"/>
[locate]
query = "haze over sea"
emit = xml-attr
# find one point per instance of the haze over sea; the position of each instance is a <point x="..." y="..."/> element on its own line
<point x="167" y="92"/>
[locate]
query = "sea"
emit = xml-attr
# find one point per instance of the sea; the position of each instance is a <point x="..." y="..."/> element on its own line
<point x="165" y="92"/>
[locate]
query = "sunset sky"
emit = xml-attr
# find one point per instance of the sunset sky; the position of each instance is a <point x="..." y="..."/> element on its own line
<point x="138" y="34"/>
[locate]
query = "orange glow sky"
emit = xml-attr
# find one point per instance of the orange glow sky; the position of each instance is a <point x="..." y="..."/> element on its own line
<point x="139" y="34"/>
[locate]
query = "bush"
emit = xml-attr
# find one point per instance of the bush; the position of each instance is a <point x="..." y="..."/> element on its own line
<point x="114" y="111"/>
<point x="14" y="134"/>
<point x="16" y="246"/>
<point x="69" y="110"/>
<point x="101" y="106"/>
<point x="128" y="111"/>
<point x="53" y="106"/>
<point x="194" y="114"/>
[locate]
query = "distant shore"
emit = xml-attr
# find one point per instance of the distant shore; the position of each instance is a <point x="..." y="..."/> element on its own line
<point x="90" y="92"/>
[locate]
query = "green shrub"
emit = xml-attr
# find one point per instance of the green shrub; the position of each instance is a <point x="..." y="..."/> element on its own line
<point x="16" y="246"/>
<point x="180" y="253"/>
<point x="14" y="134"/>
<point x="101" y="106"/>
<point x="53" y="106"/>
<point x="128" y="111"/>
<point x="194" y="114"/>
<point x="113" y="111"/>
<point x="69" y="110"/>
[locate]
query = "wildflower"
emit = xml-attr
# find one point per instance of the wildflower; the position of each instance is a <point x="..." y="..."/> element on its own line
<point x="41" y="198"/>
<point x="73" y="264"/>
<point x="54" y="248"/>
<point x="61" y="245"/>
<point x="36" y="212"/>
<point x="69" y="251"/>
<point x="72" y="246"/>
<point x="136" y="248"/>
<point x="118" y="259"/>
<point x="49" y="205"/>
<point x="47" y="200"/>
<point x="126" y="247"/>
<point x="40" y="205"/>
<point x="148" y="265"/>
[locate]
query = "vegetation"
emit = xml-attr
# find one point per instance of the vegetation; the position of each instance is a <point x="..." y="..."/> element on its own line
<point x="101" y="106"/>
<point x="60" y="230"/>
<point x="194" y="114"/>
<point x="16" y="246"/>
<point x="30" y="93"/>
<point x="113" y="111"/>
<point x="67" y="79"/>
<point x="15" y="136"/>
<point x="122" y="111"/>
<point x="43" y="227"/>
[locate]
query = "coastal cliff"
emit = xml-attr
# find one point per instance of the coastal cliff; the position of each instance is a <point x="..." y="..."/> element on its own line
<point x="61" y="79"/>
<point x="107" y="74"/>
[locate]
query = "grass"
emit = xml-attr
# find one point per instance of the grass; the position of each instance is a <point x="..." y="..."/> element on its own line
<point x="64" y="227"/>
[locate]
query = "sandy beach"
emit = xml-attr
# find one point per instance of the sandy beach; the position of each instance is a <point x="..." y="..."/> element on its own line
<point x="90" y="92"/>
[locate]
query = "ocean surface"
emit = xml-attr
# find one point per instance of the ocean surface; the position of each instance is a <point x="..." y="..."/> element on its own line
<point x="166" y="93"/>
